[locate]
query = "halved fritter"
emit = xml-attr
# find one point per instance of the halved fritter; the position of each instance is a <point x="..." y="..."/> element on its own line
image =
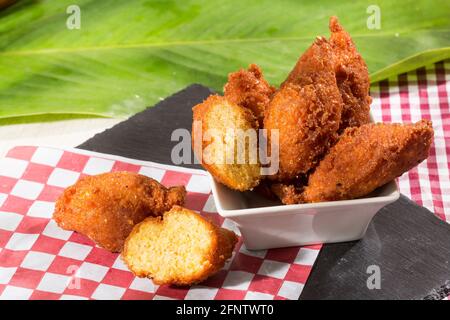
<point x="181" y="248"/>
<point x="249" y="89"/>
<point x="368" y="157"/>
<point x="228" y="142"/>
<point x="106" y="207"/>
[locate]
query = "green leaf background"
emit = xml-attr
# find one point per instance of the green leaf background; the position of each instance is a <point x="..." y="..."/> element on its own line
<point x="129" y="54"/>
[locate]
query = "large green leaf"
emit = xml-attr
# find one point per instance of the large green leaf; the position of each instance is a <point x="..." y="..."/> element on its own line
<point x="128" y="54"/>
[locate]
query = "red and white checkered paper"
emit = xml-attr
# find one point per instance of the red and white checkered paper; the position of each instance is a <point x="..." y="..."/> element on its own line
<point x="38" y="260"/>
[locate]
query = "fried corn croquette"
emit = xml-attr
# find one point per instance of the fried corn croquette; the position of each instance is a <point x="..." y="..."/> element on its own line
<point x="249" y="89"/>
<point x="217" y="145"/>
<point x="106" y="207"/>
<point x="180" y="248"/>
<point x="306" y="111"/>
<point x="368" y="157"/>
<point x="352" y="78"/>
<point x="288" y="193"/>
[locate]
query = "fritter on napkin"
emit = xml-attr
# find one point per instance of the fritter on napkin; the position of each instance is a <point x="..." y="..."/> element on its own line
<point x="106" y="207"/>
<point x="180" y="248"/>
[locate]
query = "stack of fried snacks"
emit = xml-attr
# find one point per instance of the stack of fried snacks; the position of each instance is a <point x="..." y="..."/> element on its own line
<point x="328" y="149"/>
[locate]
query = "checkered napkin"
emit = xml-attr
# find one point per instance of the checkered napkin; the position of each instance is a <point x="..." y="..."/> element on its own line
<point x="39" y="260"/>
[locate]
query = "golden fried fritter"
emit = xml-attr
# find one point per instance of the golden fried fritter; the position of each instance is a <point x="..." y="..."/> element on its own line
<point x="288" y="193"/>
<point x="217" y="145"/>
<point x="315" y="66"/>
<point x="249" y="89"/>
<point x="306" y="111"/>
<point x="181" y="248"/>
<point x="106" y="207"/>
<point x="352" y="78"/>
<point x="368" y="157"/>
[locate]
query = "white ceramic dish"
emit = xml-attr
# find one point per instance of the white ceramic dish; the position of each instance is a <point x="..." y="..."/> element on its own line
<point x="266" y="224"/>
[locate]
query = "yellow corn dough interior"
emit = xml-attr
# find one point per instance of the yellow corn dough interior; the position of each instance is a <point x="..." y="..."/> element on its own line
<point x="177" y="246"/>
<point x="224" y="117"/>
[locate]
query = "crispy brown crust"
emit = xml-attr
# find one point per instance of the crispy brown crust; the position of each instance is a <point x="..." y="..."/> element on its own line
<point x="226" y="241"/>
<point x="306" y="111"/>
<point x="249" y="89"/>
<point x="352" y="78"/>
<point x="106" y="207"/>
<point x="200" y="113"/>
<point x="223" y="243"/>
<point x="287" y="193"/>
<point x="290" y="192"/>
<point x="368" y="157"/>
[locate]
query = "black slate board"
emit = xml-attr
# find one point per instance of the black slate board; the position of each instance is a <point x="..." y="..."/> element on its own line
<point x="407" y="242"/>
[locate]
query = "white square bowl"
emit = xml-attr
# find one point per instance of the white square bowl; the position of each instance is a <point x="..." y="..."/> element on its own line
<point x="266" y="224"/>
